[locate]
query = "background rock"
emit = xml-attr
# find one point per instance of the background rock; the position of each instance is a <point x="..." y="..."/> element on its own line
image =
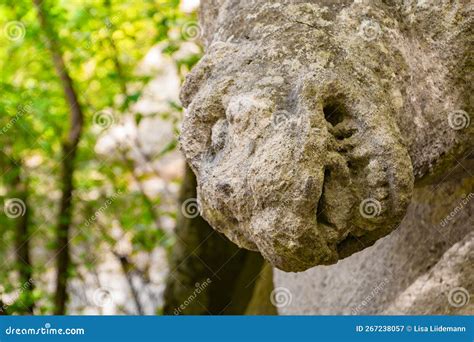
<point x="408" y="272"/>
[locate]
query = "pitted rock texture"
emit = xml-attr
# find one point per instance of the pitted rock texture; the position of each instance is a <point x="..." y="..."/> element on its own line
<point x="301" y="124"/>
<point x="411" y="271"/>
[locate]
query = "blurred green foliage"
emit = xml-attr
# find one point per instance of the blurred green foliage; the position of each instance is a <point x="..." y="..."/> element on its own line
<point x="102" y="43"/>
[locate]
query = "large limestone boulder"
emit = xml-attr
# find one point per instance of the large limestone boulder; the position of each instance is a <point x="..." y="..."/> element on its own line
<point x="308" y="122"/>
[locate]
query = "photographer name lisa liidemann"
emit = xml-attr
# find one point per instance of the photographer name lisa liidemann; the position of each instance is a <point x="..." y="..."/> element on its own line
<point x="437" y="328"/>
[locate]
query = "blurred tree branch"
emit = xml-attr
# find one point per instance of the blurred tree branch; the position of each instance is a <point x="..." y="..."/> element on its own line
<point x="127" y="267"/>
<point x="69" y="150"/>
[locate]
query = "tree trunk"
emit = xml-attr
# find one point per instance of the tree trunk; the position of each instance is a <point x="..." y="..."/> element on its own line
<point x="22" y="243"/>
<point x="69" y="148"/>
<point x="63" y="230"/>
<point x="208" y="273"/>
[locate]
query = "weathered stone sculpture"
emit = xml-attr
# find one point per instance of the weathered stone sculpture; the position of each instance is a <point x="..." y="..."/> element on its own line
<point x="308" y="122"/>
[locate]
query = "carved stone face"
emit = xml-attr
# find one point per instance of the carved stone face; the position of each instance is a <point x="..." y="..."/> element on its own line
<point x="296" y="152"/>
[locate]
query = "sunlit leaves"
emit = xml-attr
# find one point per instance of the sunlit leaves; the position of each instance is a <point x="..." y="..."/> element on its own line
<point x="102" y="43"/>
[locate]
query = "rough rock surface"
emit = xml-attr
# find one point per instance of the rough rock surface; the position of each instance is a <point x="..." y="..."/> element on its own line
<point x="446" y="288"/>
<point x="308" y="122"/>
<point x="411" y="271"/>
